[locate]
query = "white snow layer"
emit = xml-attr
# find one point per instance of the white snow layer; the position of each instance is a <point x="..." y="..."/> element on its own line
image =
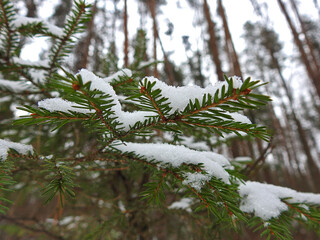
<point x="20" y="20"/>
<point x="19" y="147"/>
<point x="16" y="86"/>
<point x="59" y="104"/>
<point x="179" y="96"/>
<point x="183" y="203"/>
<point x="126" y="118"/>
<point x="214" y="164"/>
<point x="42" y="63"/>
<point x="264" y="200"/>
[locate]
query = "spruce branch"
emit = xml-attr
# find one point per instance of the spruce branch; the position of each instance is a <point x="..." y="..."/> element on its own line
<point x="11" y="39"/>
<point x="234" y="96"/>
<point x="62" y="183"/>
<point x="75" y="24"/>
<point x="5" y="181"/>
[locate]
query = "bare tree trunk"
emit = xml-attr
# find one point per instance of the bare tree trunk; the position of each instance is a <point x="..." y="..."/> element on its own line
<point x="312" y="75"/>
<point x="315" y="2"/>
<point x="315" y="61"/>
<point x="214" y="50"/>
<point x="229" y="42"/>
<point x="61" y="12"/>
<point x="313" y="168"/>
<point x="168" y="66"/>
<point x="256" y="7"/>
<point x="32" y="8"/>
<point x="82" y="50"/>
<point x="152" y="7"/>
<point x="126" y="42"/>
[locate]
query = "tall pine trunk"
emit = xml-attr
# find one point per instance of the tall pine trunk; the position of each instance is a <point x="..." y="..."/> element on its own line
<point x="304" y="57"/>
<point x="82" y="49"/>
<point x="313" y="168"/>
<point x="126" y="41"/>
<point x="213" y="41"/>
<point x="152" y="8"/>
<point x="314" y="61"/>
<point x="229" y="43"/>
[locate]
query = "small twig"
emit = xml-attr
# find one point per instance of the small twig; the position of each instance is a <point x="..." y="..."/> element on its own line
<point x="33" y="229"/>
<point x="249" y="169"/>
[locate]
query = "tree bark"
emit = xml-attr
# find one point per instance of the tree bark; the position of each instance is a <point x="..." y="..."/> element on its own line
<point x="32" y="8"/>
<point x="313" y="168"/>
<point x="214" y="50"/>
<point x="304" y="57"/>
<point x="229" y="43"/>
<point x="126" y="41"/>
<point x="82" y="50"/>
<point x="152" y="7"/>
<point x="315" y="61"/>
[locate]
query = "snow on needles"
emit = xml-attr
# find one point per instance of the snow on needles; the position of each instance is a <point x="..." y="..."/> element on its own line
<point x="59" y="104"/>
<point x="19" y="147"/>
<point x="183" y="203"/>
<point x="16" y="86"/>
<point x="178" y="97"/>
<point x="102" y="84"/>
<point x="214" y="164"/>
<point x="264" y="200"/>
<point x="53" y="29"/>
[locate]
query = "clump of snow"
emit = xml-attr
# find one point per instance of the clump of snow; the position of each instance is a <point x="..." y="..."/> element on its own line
<point x="145" y="63"/>
<point x="264" y="200"/>
<point x="16" y="86"/>
<point x="183" y="203"/>
<point x="5" y="99"/>
<point x="243" y="159"/>
<point x="102" y="84"/>
<point x="21" y="20"/>
<point x="117" y="75"/>
<point x="213" y="164"/>
<point x="19" y="147"/>
<point x="179" y="96"/>
<point x="42" y="63"/>
<point x="59" y="104"/>
<point x="237" y="117"/>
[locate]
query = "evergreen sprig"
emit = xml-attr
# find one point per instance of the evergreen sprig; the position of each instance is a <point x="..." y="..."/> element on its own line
<point x="61" y="183"/>
<point x="75" y="24"/>
<point x="5" y="181"/>
<point x="10" y="37"/>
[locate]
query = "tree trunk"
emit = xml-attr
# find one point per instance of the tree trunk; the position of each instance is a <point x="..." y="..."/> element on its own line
<point x="304" y="57"/>
<point x="82" y="50"/>
<point x="315" y="61"/>
<point x="126" y="42"/>
<point x="214" y="50"/>
<point x="229" y="42"/>
<point x="314" y="170"/>
<point x="32" y="8"/>
<point x="152" y="7"/>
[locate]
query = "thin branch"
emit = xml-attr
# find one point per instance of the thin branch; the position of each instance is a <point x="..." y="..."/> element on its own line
<point x="64" y="40"/>
<point x="33" y="229"/>
<point x="212" y="126"/>
<point x="301" y="212"/>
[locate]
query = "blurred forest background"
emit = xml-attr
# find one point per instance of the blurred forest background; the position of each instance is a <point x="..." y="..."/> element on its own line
<point x="185" y="42"/>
